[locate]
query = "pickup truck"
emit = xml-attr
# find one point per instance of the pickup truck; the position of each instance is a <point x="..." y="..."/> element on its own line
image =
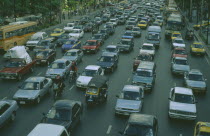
<point x="16" y="69"/>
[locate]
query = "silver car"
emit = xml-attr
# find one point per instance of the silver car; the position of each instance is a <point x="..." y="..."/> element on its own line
<point x="59" y="67"/>
<point x="194" y="79"/>
<point x="179" y="65"/>
<point x="130" y="100"/>
<point x="32" y="89"/>
<point x="73" y="55"/>
<point x="8" y="110"/>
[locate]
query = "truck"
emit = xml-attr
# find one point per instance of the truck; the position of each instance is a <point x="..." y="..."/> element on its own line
<point x="18" y="65"/>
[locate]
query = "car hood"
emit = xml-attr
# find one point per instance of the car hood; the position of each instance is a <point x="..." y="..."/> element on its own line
<point x="128" y="104"/>
<point x="26" y="93"/>
<point x="67" y="46"/>
<point x="10" y="70"/>
<point x="105" y="64"/>
<point x="178" y="45"/>
<point x="181" y="67"/>
<point x="153" y="41"/>
<point x="66" y="124"/>
<point x="141" y="79"/>
<point x="192" y="83"/>
<point x="182" y="106"/>
<point x="84" y="79"/>
<point x="74" y="34"/>
<point x="55" y="71"/>
<point x="123" y="45"/>
<point x="71" y="58"/>
<point x="147" y="51"/>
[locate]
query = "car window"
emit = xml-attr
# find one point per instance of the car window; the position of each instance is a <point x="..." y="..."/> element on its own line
<point x="74" y="110"/>
<point x="64" y="133"/>
<point x="4" y="108"/>
<point x="30" y="86"/>
<point x="45" y="81"/>
<point x="41" y="85"/>
<point x="99" y="71"/>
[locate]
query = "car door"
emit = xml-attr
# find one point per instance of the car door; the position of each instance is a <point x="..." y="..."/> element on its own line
<point x="42" y="88"/>
<point x="67" y="67"/>
<point x="75" y="115"/>
<point x="80" y="55"/>
<point x="5" y="112"/>
<point x="46" y="85"/>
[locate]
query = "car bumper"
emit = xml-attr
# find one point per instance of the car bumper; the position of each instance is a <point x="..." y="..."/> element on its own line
<point x="178" y="72"/>
<point x="24" y="101"/>
<point x="89" y="50"/>
<point x="5" y="76"/>
<point x="125" y="112"/>
<point x="81" y="86"/>
<point x="182" y="116"/>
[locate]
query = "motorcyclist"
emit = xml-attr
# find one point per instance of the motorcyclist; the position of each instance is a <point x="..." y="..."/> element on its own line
<point x="58" y="85"/>
<point x="74" y="69"/>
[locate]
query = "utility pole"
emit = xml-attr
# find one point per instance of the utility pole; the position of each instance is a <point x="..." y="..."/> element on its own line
<point x="207" y="38"/>
<point x="15" y="9"/>
<point x="190" y="11"/>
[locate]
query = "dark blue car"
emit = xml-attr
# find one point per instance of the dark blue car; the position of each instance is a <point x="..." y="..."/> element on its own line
<point x="71" y="44"/>
<point x="128" y="35"/>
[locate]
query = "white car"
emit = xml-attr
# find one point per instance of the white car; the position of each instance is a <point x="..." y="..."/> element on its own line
<point x="147" y="48"/>
<point x="35" y="39"/>
<point x="85" y="77"/>
<point x="182" y="104"/>
<point x="69" y="27"/>
<point x="76" y="33"/>
<point x="178" y="43"/>
<point x="114" y="21"/>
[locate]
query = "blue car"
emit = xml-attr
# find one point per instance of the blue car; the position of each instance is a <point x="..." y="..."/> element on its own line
<point x="71" y="44"/>
<point x="108" y="61"/>
<point x="128" y="35"/>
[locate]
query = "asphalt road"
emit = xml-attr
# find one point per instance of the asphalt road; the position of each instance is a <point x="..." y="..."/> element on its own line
<point x="100" y="120"/>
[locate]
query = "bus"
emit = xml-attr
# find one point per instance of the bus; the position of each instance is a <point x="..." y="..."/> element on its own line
<point x="16" y="33"/>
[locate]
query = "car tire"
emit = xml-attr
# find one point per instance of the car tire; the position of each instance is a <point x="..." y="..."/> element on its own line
<point x="38" y="100"/>
<point x="12" y="118"/>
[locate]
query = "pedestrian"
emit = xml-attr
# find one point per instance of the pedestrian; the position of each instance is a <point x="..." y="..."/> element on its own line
<point x="63" y="16"/>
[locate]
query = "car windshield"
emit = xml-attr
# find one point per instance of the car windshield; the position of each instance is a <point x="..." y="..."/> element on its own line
<point x="153" y="36"/>
<point x="56" y="65"/>
<point x="184" y="98"/>
<point x="70" y="25"/>
<point x="75" y="31"/>
<point x="30" y="86"/>
<point x="128" y="95"/>
<point x="147" y="47"/>
<point x="183" y="52"/>
<point x="106" y="59"/>
<point x="71" y="54"/>
<point x="126" y="42"/>
<point x="198" y="46"/>
<point x="111" y="49"/>
<point x="181" y="62"/>
<point x="179" y="41"/>
<point x="137" y="130"/>
<point x="204" y="134"/>
<point x="145" y="57"/>
<point x="15" y="64"/>
<point x="93" y="90"/>
<point x="195" y="77"/>
<point x="57" y="31"/>
<point x="142" y="22"/>
<point x="90" y="43"/>
<point x="131" y="23"/>
<point x="177" y="35"/>
<point x="59" y="114"/>
<point x="70" y="42"/>
<point x="144" y="73"/>
<point x="89" y="72"/>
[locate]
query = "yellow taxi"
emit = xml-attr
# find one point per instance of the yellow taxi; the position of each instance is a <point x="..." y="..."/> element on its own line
<point x="202" y="129"/>
<point x="176" y="34"/>
<point x="197" y="48"/>
<point x="57" y="32"/>
<point x="204" y="23"/>
<point x="143" y="24"/>
<point x="160" y="22"/>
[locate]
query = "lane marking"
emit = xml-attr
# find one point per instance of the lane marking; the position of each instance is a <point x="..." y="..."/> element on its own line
<point x="71" y="87"/>
<point x="128" y="79"/>
<point x="39" y="74"/>
<point x="207" y="60"/>
<point x="109" y="129"/>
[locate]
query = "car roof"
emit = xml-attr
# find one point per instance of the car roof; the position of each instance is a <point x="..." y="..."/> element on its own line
<point x="146" y="65"/>
<point x="43" y="129"/>
<point x="108" y="54"/>
<point x="98" y="81"/>
<point x="111" y="46"/>
<point x="35" y="79"/>
<point x="195" y="71"/>
<point x="73" y="50"/>
<point x="92" y="67"/>
<point x="141" y="119"/>
<point x="147" y="44"/>
<point x="131" y="88"/>
<point x="61" y="60"/>
<point x="64" y="104"/>
<point x="183" y="90"/>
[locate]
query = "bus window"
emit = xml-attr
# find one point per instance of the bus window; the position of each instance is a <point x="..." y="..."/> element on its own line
<point x="20" y="32"/>
<point x="9" y="34"/>
<point x="1" y="35"/>
<point x="31" y="29"/>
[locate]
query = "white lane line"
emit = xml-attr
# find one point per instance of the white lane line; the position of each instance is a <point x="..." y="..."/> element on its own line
<point x="109" y="129"/>
<point x="207" y="60"/>
<point x="39" y="74"/>
<point x="128" y="79"/>
<point x="71" y="87"/>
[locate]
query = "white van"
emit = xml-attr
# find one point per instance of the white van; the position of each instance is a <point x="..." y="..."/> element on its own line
<point x="43" y="129"/>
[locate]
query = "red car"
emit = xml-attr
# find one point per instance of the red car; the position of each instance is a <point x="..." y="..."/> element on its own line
<point x="141" y="57"/>
<point x="179" y="52"/>
<point x="91" y="46"/>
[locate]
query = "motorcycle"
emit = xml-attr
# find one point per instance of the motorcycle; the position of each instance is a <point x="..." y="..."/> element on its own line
<point x="72" y="76"/>
<point x="58" y="91"/>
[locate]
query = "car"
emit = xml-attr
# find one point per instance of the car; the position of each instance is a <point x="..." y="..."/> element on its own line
<point x="145" y="75"/>
<point x="153" y="38"/>
<point x="147" y="48"/>
<point x="111" y="29"/>
<point x="62" y="39"/>
<point x="156" y="24"/>
<point x="98" y="20"/>
<point x="72" y="43"/>
<point x="75" y="55"/>
<point x="114" y="21"/>
<point x="136" y="31"/>
<point x="112" y="49"/>
<point x="142" y="24"/>
<point x="104" y="32"/>
<point x="8" y="110"/>
<point x="33" y="89"/>
<point x="130" y="25"/>
<point x="197" y="48"/>
<point x="141" y="57"/>
<point x="89" y="72"/>
<point x="160" y="22"/>
<point x="99" y="37"/>
<point x="176" y="34"/>
<point x="182" y="104"/>
<point x="128" y="35"/>
<point x="88" y="27"/>
<point x="84" y="20"/>
<point x="130" y="100"/>
<point x="45" y="44"/>
<point x="178" y="42"/>
<point x="125" y="45"/>
<point x="35" y="39"/>
<point x="141" y="125"/>
<point x="91" y="46"/>
<point x="59" y="67"/>
<point x="57" y="32"/>
<point x="179" y="52"/>
<point x="65" y="112"/>
<point x="105" y="19"/>
<point x="46" y="56"/>
<point x="108" y="61"/>
<point x="69" y="27"/>
<point x="179" y="65"/>
<point x="202" y="129"/>
<point x="195" y="80"/>
<point x="189" y="35"/>
<point x="121" y="21"/>
<point x="76" y="33"/>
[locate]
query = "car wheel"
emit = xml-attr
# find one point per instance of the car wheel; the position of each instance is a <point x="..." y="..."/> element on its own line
<point x="38" y="100"/>
<point x="13" y="116"/>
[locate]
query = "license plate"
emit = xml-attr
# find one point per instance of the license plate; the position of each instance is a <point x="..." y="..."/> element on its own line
<point x="22" y="102"/>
